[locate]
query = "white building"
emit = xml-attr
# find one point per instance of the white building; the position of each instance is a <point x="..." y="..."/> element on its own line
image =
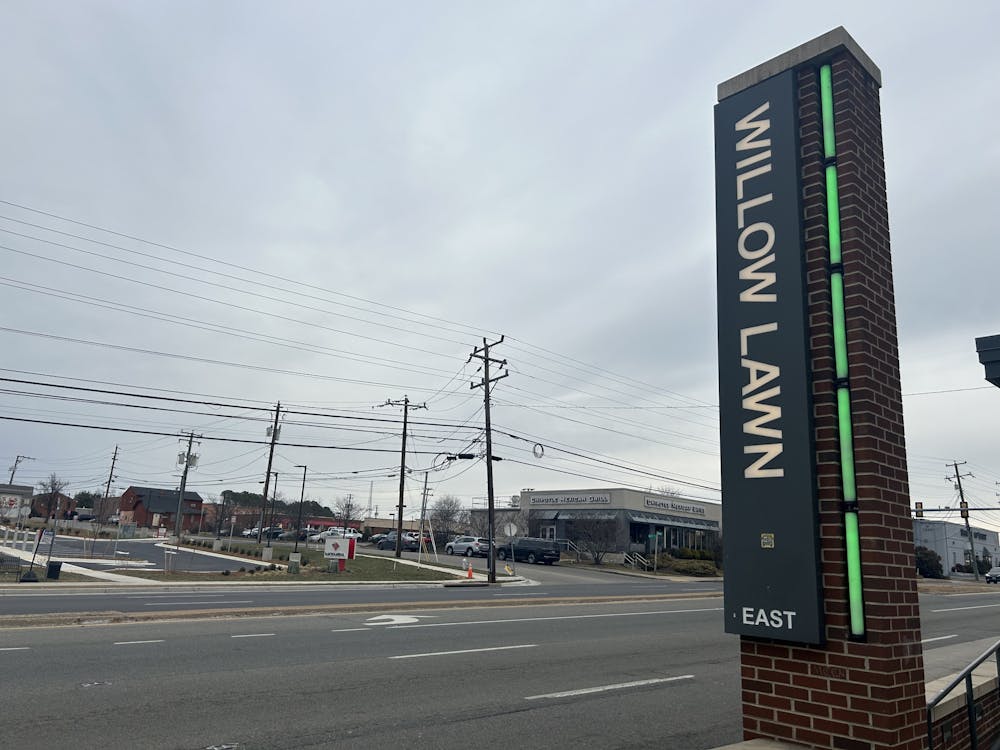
<point x="951" y="541"/>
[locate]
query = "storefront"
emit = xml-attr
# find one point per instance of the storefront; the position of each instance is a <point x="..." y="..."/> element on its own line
<point x="628" y="520"/>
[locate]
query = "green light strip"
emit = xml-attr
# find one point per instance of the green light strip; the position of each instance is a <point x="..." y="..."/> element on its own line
<point x="852" y="535"/>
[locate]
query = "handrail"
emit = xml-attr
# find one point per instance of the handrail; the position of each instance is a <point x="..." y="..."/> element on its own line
<point x="970" y="701"/>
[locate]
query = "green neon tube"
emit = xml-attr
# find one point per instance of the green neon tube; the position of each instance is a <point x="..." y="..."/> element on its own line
<point x="839" y="324"/>
<point x="833" y="212"/>
<point x="852" y="535"/>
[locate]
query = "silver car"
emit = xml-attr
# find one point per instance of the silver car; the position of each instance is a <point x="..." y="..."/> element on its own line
<point x="468" y="546"/>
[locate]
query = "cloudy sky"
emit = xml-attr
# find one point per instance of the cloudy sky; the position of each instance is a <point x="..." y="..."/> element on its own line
<point x="331" y="204"/>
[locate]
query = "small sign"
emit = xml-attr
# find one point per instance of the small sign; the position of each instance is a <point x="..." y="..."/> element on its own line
<point x="767" y="541"/>
<point x="338" y="548"/>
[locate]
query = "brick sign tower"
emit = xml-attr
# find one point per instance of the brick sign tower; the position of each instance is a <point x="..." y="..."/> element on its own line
<point x="820" y="569"/>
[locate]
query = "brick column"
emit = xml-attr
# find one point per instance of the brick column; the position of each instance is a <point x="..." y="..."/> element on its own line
<point x="847" y="694"/>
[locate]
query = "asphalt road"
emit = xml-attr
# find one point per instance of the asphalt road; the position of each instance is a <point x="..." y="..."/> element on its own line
<point x="621" y="675"/>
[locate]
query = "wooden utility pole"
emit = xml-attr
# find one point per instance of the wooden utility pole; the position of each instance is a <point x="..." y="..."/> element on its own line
<point x="965" y="514"/>
<point x="178" y="528"/>
<point x="275" y="430"/>
<point x="483" y="353"/>
<point x="405" y="403"/>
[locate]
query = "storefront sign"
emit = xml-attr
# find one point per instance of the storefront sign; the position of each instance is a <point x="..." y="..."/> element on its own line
<point x="599" y="499"/>
<point x="652" y="502"/>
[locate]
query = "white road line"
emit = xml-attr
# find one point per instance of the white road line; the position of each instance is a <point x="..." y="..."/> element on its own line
<point x="559" y="617"/>
<point x="253" y="635"/>
<point x="603" y="688"/>
<point x="939" y="638"/>
<point x="162" y="596"/>
<point x="464" y="651"/>
<point x="221" y="601"/>
<point x="540" y="593"/>
<point x="353" y="630"/>
<point x="962" y="609"/>
<point x="135" y="643"/>
<point x="16" y="648"/>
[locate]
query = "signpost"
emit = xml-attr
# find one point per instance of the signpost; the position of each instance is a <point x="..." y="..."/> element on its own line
<point x="340" y="549"/>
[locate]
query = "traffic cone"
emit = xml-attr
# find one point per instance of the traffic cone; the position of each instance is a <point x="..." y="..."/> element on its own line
<point x="470" y="571"/>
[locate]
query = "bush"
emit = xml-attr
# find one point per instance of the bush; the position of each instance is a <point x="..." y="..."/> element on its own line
<point x="242" y="569"/>
<point x="929" y="563"/>
<point x="225" y="572"/>
<point x="694" y="568"/>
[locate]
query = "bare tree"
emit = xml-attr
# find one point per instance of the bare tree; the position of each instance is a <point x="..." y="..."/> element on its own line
<point x="347" y="510"/>
<point x="595" y="536"/>
<point x="50" y="489"/>
<point x="447" y="516"/>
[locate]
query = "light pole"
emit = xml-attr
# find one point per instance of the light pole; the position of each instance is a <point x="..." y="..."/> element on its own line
<point x="13" y="469"/>
<point x="302" y="499"/>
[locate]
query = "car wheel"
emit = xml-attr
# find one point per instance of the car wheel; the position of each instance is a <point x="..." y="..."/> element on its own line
<point x="468" y="551"/>
<point x="549" y="562"/>
<point x="502" y="554"/>
<point x="531" y="558"/>
<point x="449" y="550"/>
<point x="381" y="546"/>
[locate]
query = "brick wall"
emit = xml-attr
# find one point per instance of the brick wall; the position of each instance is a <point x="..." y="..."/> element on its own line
<point x="850" y="695"/>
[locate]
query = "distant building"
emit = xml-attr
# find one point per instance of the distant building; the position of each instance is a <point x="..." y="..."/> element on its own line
<point x="630" y="520"/>
<point x="951" y="541"/>
<point x="49" y="504"/>
<point x="150" y="507"/>
<point x="15" y="502"/>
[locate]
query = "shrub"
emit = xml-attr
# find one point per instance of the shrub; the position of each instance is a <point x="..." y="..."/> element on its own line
<point x="694" y="568"/>
<point x="251" y="571"/>
<point x="929" y="563"/>
<point x="272" y="566"/>
<point x="242" y="569"/>
<point x="225" y="572"/>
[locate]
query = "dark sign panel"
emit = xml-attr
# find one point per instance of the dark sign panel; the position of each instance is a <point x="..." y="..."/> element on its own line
<point x="769" y="513"/>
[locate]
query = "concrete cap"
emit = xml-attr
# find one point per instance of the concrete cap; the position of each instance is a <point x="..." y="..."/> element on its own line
<point x="822" y="46"/>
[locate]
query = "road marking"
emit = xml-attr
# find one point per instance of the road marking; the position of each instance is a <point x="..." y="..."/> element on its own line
<point x="161" y="596"/>
<point x="353" y="630"/>
<point x="961" y="609"/>
<point x="560" y="617"/>
<point x="253" y="635"/>
<point x="220" y="601"/>
<point x="16" y="648"/>
<point x="939" y="638"/>
<point x="540" y="593"/>
<point x="603" y="688"/>
<point x="464" y="651"/>
<point x="135" y="643"/>
<point x="394" y="619"/>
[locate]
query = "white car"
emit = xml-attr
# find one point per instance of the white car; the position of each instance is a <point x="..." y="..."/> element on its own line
<point x="321" y="535"/>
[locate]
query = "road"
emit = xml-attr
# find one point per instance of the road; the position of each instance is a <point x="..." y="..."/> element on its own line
<point x="616" y="675"/>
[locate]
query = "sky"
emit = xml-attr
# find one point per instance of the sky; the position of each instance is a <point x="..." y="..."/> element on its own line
<point x="332" y="205"/>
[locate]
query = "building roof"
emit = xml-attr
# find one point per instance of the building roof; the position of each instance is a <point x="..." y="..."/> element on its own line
<point x="157" y="500"/>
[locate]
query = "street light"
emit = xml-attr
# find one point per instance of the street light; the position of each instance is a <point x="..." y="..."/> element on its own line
<point x="302" y="499"/>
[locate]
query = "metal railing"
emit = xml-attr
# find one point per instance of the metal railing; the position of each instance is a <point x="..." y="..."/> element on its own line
<point x="636" y="560"/>
<point x="970" y="699"/>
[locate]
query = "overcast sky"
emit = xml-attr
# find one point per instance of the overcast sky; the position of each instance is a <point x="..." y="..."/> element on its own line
<point x="355" y="194"/>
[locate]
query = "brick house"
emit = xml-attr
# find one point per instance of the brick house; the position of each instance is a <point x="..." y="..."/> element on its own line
<point x="150" y="507"/>
<point x="60" y="505"/>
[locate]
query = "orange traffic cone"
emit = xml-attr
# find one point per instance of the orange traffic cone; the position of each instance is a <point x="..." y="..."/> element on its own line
<point x="470" y="571"/>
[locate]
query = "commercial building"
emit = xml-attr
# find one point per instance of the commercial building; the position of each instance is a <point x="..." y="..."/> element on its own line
<point x="629" y="520"/>
<point x="951" y="541"/>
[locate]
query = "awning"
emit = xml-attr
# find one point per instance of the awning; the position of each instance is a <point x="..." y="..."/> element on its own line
<point x="665" y="520"/>
<point x="544" y="515"/>
<point x="590" y="515"/>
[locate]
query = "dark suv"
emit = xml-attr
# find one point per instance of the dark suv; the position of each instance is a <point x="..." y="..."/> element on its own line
<point x="529" y="549"/>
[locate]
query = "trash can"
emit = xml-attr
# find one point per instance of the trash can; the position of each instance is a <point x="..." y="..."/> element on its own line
<point x="53" y="571"/>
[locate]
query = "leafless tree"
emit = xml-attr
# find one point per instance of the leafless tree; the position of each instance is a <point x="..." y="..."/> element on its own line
<point x="595" y="536"/>
<point x="346" y="510"/>
<point x="448" y="517"/>
<point x="51" y="488"/>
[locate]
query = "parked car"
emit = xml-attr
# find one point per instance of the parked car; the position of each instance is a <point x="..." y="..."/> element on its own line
<point x="468" y="546"/>
<point x="529" y="549"/>
<point x="250" y="532"/>
<point x="320" y="536"/>
<point x="376" y="538"/>
<point x="993" y="575"/>
<point x="292" y="535"/>
<point x="409" y="542"/>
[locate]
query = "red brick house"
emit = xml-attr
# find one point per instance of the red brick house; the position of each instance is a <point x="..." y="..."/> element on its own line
<point x="150" y="507"/>
<point x="60" y="505"/>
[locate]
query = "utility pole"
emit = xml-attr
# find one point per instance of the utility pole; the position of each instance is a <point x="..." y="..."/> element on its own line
<point x="965" y="514"/>
<point x="483" y="353"/>
<point x="405" y="403"/>
<point x="275" y="430"/>
<point x="423" y="512"/>
<point x="302" y="499"/>
<point x="180" y="495"/>
<point x="13" y="469"/>
<point x="111" y="476"/>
